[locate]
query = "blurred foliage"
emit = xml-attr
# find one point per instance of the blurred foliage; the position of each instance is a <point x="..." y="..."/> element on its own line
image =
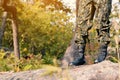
<point x="30" y="62"/>
<point x="12" y="64"/>
<point x="44" y="33"/>
<point x="41" y="31"/>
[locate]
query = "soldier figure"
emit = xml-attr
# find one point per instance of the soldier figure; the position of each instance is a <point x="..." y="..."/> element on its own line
<point x="89" y="12"/>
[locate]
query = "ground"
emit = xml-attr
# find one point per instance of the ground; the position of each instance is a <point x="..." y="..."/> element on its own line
<point x="105" y="70"/>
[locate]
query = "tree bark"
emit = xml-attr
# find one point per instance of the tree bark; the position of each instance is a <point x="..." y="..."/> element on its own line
<point x="71" y="49"/>
<point x="13" y="11"/>
<point x="3" y="26"/>
<point x="88" y="13"/>
<point x="15" y="38"/>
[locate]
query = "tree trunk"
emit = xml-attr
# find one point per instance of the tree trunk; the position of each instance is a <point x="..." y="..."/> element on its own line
<point x="87" y="12"/>
<point x="70" y="51"/>
<point x="3" y="26"/>
<point x="15" y="38"/>
<point x="13" y="11"/>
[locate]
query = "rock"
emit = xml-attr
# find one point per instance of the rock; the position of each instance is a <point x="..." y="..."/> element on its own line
<point x="70" y="55"/>
<point x="105" y="70"/>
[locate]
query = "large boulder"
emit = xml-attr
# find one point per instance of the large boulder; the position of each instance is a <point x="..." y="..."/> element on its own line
<point x="105" y="70"/>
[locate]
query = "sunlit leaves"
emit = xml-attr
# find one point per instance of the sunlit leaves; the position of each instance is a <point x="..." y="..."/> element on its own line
<point x="41" y="29"/>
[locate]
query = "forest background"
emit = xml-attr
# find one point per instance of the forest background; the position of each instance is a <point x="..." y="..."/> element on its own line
<point x="45" y="29"/>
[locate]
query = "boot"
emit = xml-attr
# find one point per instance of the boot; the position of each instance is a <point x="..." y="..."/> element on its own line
<point x="80" y="59"/>
<point x="102" y="53"/>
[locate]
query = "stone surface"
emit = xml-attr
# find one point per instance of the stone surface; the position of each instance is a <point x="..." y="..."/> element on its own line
<point x="105" y="70"/>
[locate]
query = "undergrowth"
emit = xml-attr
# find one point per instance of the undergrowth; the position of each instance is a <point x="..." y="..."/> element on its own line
<point x="8" y="62"/>
<point x="31" y="62"/>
